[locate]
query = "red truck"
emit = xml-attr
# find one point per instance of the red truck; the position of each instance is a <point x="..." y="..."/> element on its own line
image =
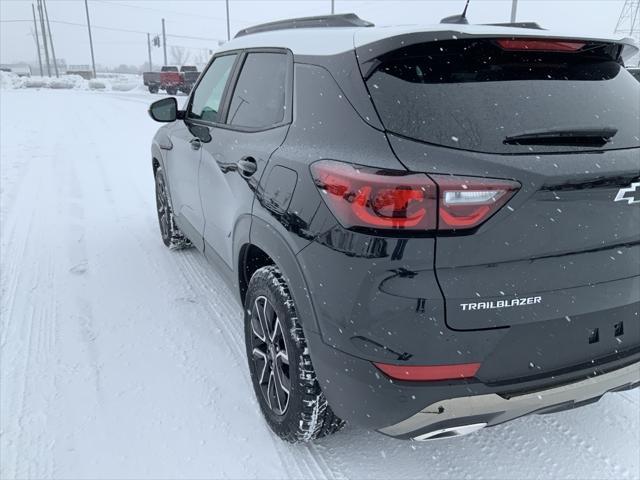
<point x="171" y="79"/>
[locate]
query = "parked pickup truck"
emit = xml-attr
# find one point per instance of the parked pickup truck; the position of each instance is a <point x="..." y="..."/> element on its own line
<point x="151" y="80"/>
<point x="171" y="79"/>
<point x="190" y="76"/>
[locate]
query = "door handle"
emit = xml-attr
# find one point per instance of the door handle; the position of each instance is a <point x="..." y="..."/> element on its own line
<point x="196" y="143"/>
<point x="247" y="166"/>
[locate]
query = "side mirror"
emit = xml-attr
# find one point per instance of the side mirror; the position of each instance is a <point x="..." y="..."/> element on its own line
<point x="165" y="110"/>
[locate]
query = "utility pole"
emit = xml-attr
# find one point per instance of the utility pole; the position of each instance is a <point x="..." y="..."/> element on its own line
<point x="164" y="42"/>
<point x="53" y="50"/>
<point x="44" y="38"/>
<point x="628" y="22"/>
<point x="149" y="51"/>
<point x="629" y="25"/>
<point x="93" y="59"/>
<point x="514" y="10"/>
<point x="333" y="7"/>
<point x="35" y="26"/>
<point x="228" y="27"/>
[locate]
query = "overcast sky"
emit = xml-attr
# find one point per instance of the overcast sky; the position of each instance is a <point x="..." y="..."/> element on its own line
<point x="205" y="19"/>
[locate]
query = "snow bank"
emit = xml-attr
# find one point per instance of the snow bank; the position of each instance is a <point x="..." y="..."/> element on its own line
<point x="10" y="80"/>
<point x="97" y="85"/>
<point x="120" y="82"/>
<point x="115" y="82"/>
<point x="65" y="82"/>
<point x="124" y="86"/>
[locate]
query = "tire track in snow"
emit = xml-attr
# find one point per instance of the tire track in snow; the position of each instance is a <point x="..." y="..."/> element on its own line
<point x="79" y="268"/>
<point x="303" y="458"/>
<point x="191" y="271"/>
<point x="11" y="272"/>
<point x="28" y="321"/>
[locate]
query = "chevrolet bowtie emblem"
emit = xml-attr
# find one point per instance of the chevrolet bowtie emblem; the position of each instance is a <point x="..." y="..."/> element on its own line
<point x="630" y="194"/>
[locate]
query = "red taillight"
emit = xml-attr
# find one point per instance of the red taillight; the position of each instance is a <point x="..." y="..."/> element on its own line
<point x="375" y="198"/>
<point x="539" y="45"/>
<point x="389" y="199"/>
<point x="466" y="202"/>
<point x="430" y="372"/>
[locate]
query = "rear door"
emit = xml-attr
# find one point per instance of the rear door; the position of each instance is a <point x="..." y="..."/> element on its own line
<point x="567" y="243"/>
<point x="256" y="123"/>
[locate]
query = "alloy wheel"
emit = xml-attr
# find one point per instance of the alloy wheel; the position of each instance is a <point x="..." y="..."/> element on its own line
<point x="162" y="204"/>
<point x="269" y="355"/>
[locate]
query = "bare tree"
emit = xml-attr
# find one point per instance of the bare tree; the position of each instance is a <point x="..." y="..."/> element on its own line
<point x="179" y="55"/>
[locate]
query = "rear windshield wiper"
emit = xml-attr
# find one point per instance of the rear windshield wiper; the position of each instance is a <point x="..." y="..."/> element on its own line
<point x="579" y="137"/>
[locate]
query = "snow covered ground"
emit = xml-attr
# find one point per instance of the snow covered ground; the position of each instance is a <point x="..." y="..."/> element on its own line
<point x="121" y="359"/>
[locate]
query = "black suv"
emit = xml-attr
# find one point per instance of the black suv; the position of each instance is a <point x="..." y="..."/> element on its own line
<point x="431" y="229"/>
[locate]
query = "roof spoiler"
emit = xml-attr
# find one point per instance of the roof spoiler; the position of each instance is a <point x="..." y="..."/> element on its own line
<point x="369" y="51"/>
<point x="322" y="21"/>
<point x="530" y="25"/>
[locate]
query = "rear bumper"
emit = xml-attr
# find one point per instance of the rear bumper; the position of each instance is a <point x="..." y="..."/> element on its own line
<point x="361" y="394"/>
<point x="455" y="416"/>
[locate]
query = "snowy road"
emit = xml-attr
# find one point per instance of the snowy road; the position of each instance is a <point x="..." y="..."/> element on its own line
<point x="121" y="359"/>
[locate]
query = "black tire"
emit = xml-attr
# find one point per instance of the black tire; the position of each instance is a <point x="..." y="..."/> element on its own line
<point x="306" y="415"/>
<point x="153" y="88"/>
<point x="172" y="237"/>
<point x="172" y="90"/>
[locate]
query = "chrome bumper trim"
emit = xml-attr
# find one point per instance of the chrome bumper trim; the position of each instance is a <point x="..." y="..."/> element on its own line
<point x="498" y="409"/>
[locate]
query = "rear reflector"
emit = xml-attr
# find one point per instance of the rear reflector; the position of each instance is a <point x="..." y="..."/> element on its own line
<point x="539" y="45"/>
<point x="430" y="372"/>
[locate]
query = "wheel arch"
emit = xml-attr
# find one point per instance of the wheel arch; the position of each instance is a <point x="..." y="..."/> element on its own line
<point x="265" y="246"/>
<point x="157" y="160"/>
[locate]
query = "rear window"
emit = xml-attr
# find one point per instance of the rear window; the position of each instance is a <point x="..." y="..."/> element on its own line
<point x="472" y="95"/>
<point x="258" y="100"/>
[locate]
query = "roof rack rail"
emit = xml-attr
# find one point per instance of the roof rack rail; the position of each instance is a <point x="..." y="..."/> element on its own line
<point x="531" y="25"/>
<point x="340" y="20"/>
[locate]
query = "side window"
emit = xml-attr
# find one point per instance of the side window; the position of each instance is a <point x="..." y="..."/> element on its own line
<point x="259" y="97"/>
<point x="208" y="95"/>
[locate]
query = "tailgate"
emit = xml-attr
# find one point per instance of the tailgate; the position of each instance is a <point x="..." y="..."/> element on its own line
<point x="562" y="247"/>
<point x="562" y="118"/>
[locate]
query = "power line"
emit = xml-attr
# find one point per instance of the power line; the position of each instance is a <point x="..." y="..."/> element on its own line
<point x="115" y="29"/>
<point x="173" y="12"/>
